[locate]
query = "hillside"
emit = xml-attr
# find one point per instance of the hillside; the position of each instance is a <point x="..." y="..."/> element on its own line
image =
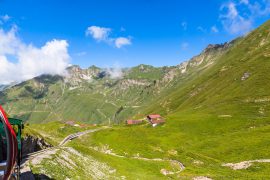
<point x="218" y="118"/>
<point x="216" y="107"/>
<point x="94" y="95"/>
<point x="87" y="95"/>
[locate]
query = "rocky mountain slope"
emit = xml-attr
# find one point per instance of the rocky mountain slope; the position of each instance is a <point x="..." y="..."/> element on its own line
<point x="95" y="95"/>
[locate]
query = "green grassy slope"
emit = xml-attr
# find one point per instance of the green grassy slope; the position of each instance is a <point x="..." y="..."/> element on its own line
<point x="223" y="87"/>
<point x="216" y="109"/>
<point x="102" y="100"/>
<point x="53" y="132"/>
<point x="145" y="72"/>
<point x="220" y="116"/>
<point x="92" y="96"/>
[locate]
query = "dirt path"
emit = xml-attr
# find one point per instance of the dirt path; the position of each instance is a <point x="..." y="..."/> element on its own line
<point x="162" y="171"/>
<point x="245" y="164"/>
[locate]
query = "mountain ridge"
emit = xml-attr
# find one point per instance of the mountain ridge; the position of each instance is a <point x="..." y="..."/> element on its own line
<point x="216" y="109"/>
<point x="126" y="87"/>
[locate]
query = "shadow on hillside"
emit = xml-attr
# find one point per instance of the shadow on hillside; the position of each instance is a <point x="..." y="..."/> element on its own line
<point x="30" y="176"/>
<point x="42" y="177"/>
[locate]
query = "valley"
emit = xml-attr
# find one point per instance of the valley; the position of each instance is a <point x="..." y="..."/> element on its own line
<point x="216" y="107"/>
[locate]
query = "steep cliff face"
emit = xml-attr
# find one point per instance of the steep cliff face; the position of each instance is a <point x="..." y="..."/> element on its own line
<point x="32" y="144"/>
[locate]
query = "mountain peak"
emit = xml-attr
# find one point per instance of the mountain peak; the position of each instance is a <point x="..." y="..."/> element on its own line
<point x="74" y="68"/>
<point x="214" y="47"/>
<point x="93" y="67"/>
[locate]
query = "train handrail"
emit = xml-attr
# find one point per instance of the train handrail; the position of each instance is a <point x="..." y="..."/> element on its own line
<point x="11" y="145"/>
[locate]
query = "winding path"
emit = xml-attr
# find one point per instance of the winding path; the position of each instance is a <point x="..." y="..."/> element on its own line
<point x="245" y="164"/>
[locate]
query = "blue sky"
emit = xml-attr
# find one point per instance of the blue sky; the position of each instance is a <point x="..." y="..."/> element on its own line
<point x="130" y="32"/>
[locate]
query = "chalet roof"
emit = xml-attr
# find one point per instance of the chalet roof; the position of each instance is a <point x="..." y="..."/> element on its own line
<point x="153" y="116"/>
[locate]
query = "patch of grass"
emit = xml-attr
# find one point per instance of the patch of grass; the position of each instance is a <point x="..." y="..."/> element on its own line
<point x="195" y="137"/>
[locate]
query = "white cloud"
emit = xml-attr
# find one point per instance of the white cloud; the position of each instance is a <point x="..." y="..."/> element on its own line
<point x="233" y="22"/>
<point x="9" y="43"/>
<point x="232" y="11"/>
<point x="98" y="33"/>
<point x="5" y="17"/>
<point x="214" y="29"/>
<point x="52" y="58"/>
<point x="239" y="17"/>
<point x="116" y="72"/>
<point x="122" y="41"/>
<point x="29" y="61"/>
<point x="103" y="34"/>
<point x="259" y="9"/>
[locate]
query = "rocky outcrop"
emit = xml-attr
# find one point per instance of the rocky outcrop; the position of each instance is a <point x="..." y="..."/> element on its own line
<point x="32" y="144"/>
<point x="124" y="84"/>
<point x="216" y="47"/>
<point x="208" y="56"/>
<point x="77" y="75"/>
<point x="183" y="67"/>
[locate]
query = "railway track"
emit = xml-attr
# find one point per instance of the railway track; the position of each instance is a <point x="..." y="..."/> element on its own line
<point x="62" y="143"/>
<point x="76" y="135"/>
<point x="29" y="157"/>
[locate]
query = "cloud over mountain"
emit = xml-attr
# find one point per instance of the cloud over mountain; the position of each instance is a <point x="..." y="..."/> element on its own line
<point x="20" y="61"/>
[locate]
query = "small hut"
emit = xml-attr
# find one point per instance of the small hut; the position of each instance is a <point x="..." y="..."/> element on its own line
<point x="155" y="119"/>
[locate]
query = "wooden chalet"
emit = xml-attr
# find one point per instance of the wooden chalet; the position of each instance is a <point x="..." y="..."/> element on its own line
<point x="155" y="119"/>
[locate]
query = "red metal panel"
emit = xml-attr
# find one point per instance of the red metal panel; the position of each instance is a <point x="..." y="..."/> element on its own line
<point x="11" y="143"/>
